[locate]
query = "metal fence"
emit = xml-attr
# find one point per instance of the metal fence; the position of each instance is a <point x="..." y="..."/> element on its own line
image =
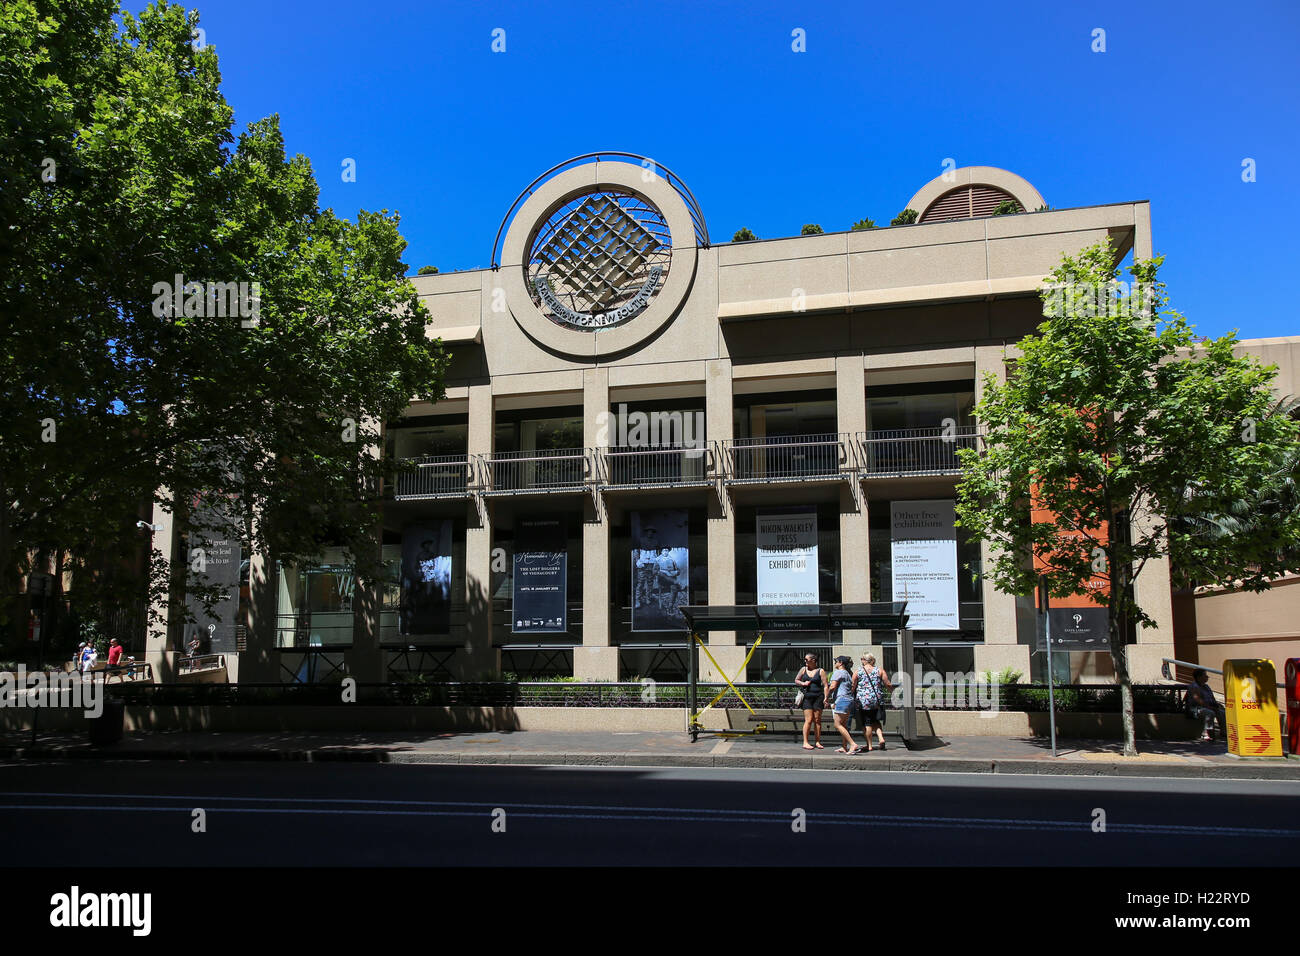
<point x="627" y="465"/>
<point x="915" y="451"/>
<point x="542" y="469"/>
<point x="1078" y="698"/>
<point x="435" y="476"/>
<point x="788" y="457"/>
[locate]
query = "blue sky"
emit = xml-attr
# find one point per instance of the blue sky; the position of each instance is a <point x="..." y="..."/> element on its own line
<point x="448" y="132"/>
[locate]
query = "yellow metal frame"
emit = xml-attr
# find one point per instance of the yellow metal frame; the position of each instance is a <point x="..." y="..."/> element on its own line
<point x="695" y="718"/>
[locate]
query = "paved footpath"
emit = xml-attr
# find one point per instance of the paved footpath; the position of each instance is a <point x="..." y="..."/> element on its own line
<point x="660" y="749"/>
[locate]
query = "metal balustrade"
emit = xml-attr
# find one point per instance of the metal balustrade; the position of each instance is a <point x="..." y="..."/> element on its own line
<point x="896" y="452"/>
<point x="788" y="457"/>
<point x="541" y="469"/>
<point x="627" y="466"/>
<point x="435" y="476"/>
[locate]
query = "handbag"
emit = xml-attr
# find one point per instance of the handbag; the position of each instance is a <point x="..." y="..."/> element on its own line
<point x="798" y="699"/>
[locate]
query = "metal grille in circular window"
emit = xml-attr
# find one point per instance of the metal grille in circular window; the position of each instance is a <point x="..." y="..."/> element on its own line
<point x="599" y="260"/>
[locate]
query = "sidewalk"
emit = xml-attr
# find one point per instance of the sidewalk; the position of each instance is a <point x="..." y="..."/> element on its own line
<point x="948" y="755"/>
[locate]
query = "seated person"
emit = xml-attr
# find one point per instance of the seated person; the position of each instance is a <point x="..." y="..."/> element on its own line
<point x="1201" y="704"/>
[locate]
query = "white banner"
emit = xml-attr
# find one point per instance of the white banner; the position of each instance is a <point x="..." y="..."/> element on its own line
<point x="923" y="556"/>
<point x="787" y="558"/>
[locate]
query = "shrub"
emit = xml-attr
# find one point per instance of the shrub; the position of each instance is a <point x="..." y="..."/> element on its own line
<point x="1008" y="207"/>
<point x="811" y="229"/>
<point x="905" y="218"/>
<point x="864" y="224"/>
<point x="743" y="234"/>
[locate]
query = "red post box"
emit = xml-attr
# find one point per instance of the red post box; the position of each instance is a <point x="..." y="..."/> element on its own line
<point x="1292" y="672"/>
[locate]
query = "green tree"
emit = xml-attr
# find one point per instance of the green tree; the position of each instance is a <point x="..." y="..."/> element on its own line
<point x="1112" y="413"/>
<point x="116" y="154"/>
<point x="904" y="218"/>
<point x="864" y="224"/>
<point x="427" y="271"/>
<point x="811" y="229"/>
<point x="1008" y="207"/>
<point x="743" y="235"/>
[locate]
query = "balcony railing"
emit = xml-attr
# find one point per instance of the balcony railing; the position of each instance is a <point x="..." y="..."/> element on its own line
<point x="915" y="451"/>
<point x="625" y="466"/>
<point x="435" y="476"/>
<point x="541" y="469"/>
<point x="788" y="457"/>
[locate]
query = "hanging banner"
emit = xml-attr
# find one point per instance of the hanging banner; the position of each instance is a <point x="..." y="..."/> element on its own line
<point x="923" y="559"/>
<point x="541" y="568"/>
<point x="660" y="570"/>
<point x="425" y="603"/>
<point x="214" y="561"/>
<point x="787" y="557"/>
<point x="1077" y="622"/>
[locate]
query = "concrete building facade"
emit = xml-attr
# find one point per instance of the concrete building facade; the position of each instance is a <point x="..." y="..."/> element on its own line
<point x="619" y="381"/>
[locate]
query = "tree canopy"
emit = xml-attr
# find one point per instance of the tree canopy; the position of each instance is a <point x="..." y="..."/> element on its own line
<point x="180" y="315"/>
<point x="1120" y="424"/>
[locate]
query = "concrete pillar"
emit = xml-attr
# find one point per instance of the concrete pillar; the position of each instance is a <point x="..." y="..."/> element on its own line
<point x="260" y="663"/>
<point x="718" y="405"/>
<point x="480" y="657"/>
<point x="1154" y="594"/>
<point x="597" y="659"/>
<point x="158" y="636"/>
<point x="1000" y="638"/>
<point x="855" y="543"/>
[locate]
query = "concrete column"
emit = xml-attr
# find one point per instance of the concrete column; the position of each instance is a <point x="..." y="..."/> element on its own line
<point x="260" y="663"/>
<point x="597" y="659"/>
<point x="158" y="644"/>
<point x="1154" y="594"/>
<point x="480" y="656"/>
<point x="718" y="404"/>
<point x="1000" y="639"/>
<point x="855" y="544"/>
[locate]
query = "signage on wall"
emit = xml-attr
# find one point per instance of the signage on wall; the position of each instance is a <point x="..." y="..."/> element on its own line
<point x="425" y="603"/>
<point x="787" y="557"/>
<point x="923" y="560"/>
<point x="214" y="562"/>
<point x="1076" y="621"/>
<point x="660" y="570"/>
<point x="540" y="588"/>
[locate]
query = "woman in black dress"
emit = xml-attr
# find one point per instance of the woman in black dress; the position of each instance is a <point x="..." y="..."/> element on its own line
<point x="811" y="679"/>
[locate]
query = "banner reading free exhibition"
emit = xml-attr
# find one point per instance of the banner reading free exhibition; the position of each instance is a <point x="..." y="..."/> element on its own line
<point x="787" y="557"/>
<point x="923" y="552"/>
<point x="661" y="568"/>
<point x="425" y="604"/>
<point x="541" y="568"/>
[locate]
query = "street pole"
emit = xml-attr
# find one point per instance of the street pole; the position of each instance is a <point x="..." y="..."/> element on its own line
<point x="1047" y="633"/>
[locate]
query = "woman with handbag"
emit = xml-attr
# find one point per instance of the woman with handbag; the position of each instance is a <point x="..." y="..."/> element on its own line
<point x="811" y="681"/>
<point x="873" y="686"/>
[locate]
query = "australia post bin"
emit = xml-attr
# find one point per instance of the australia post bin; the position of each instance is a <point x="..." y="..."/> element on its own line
<point x="107" y="727"/>
<point x="1293" y="705"/>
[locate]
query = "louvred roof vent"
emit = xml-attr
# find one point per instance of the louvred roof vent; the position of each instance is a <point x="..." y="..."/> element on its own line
<point x="966" y="202"/>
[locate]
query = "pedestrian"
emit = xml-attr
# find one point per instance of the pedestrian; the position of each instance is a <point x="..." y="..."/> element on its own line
<point x="811" y="679"/>
<point x="1202" y="706"/>
<point x="873" y="685"/>
<point x="841" y="687"/>
<point x="114" y="659"/>
<point x="88" y="659"/>
<point x="78" y="660"/>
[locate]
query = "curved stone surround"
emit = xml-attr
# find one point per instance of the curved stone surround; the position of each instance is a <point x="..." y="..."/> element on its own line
<point x="552" y="195"/>
<point x="1017" y="187"/>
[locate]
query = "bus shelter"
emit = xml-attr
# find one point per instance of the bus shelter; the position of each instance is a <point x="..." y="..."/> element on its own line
<point x="779" y="624"/>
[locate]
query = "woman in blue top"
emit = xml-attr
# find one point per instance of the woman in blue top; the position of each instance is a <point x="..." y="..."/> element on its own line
<point x="841" y="688"/>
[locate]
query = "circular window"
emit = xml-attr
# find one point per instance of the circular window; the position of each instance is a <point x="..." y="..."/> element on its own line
<point x="598" y="260"/>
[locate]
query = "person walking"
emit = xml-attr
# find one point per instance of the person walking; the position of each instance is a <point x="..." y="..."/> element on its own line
<point x="841" y="687"/>
<point x="811" y="679"/>
<point x="873" y="685"/>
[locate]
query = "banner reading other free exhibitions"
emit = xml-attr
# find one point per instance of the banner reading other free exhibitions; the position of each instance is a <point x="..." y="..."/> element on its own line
<point x="923" y="553"/>
<point x="787" y="557"/>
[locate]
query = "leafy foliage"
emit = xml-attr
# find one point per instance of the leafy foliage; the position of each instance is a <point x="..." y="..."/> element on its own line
<point x="743" y="235"/>
<point x="864" y="224"/>
<point x="121" y="172"/>
<point x="1008" y="207"/>
<point x="811" y="229"/>
<point x="427" y="271"/>
<point x="905" y="218"/>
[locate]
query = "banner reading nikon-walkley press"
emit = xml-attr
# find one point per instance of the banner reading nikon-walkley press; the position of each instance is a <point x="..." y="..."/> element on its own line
<point x="787" y="557"/>
<point x="661" y="583"/>
<point x="425" y="603"/>
<point x="541" y="568"/>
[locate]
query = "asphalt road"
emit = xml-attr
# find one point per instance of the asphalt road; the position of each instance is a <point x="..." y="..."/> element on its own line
<point x="296" y="814"/>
